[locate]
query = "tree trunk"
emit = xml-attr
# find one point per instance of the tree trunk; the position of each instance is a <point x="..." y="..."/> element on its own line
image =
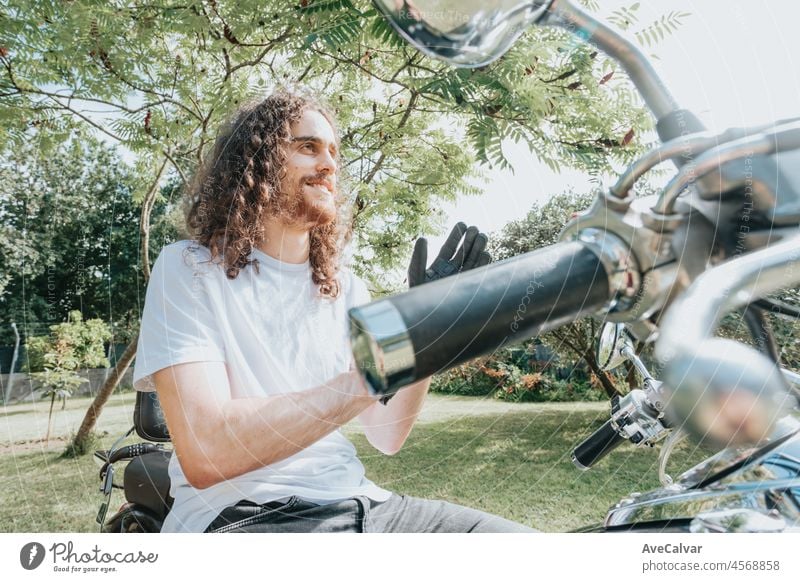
<point x="630" y="376"/>
<point x="633" y="376"/>
<point x="82" y="437"/>
<point x="601" y="375"/>
<point x="50" y="418"/>
<point x="10" y="385"/>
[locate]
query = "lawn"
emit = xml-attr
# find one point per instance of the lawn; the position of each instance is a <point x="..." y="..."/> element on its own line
<point x="509" y="459"/>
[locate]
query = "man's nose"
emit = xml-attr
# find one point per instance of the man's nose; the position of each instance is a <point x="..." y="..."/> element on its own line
<point x="326" y="163"/>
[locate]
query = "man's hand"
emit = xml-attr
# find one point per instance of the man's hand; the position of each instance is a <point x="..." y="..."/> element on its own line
<point x="452" y="258"/>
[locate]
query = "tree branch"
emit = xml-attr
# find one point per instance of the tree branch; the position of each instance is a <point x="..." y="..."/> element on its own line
<point x="177" y="168"/>
<point x="364" y="69"/>
<point x="411" y="102"/>
<point x="144" y="223"/>
<point x="87" y="120"/>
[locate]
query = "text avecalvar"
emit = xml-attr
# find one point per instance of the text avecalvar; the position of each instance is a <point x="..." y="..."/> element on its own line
<point x="671" y="549"/>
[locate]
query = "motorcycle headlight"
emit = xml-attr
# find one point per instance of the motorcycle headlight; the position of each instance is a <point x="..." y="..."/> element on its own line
<point x="464" y="33"/>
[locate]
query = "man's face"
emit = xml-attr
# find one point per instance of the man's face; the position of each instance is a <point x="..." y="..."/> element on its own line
<point x="308" y="184"/>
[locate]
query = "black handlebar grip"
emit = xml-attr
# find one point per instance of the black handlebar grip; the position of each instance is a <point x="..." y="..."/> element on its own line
<point x="431" y="328"/>
<point x="134" y="450"/>
<point x="602" y="441"/>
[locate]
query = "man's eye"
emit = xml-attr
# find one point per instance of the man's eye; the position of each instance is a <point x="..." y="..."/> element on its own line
<point x="308" y="146"/>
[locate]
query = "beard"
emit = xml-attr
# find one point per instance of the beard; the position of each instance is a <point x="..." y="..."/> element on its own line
<point x="301" y="210"/>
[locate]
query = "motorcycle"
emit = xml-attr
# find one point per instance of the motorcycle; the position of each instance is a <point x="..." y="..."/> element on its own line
<point x="146" y="480"/>
<point x="661" y="269"/>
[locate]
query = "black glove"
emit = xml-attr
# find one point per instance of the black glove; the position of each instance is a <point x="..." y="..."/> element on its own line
<point x="452" y="258"/>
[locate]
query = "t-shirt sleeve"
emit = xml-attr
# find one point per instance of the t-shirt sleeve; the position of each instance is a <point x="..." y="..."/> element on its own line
<point x="178" y="324"/>
<point x="359" y="294"/>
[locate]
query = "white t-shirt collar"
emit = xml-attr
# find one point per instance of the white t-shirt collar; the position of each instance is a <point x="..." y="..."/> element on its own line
<point x="274" y="263"/>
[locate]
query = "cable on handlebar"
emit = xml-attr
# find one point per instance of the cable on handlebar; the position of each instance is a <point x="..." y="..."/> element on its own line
<point x="778" y="307"/>
<point x="761" y="331"/>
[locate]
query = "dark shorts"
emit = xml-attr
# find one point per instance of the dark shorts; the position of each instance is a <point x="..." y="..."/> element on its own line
<point x="398" y="514"/>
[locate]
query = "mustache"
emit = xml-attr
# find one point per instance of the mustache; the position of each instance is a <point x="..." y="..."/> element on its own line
<point x="325" y="178"/>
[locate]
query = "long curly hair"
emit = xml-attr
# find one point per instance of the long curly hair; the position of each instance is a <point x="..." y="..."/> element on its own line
<point x="238" y="186"/>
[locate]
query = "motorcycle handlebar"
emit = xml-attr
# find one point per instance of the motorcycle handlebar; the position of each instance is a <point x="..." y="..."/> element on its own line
<point x="602" y="441"/>
<point x="131" y="451"/>
<point x="402" y="339"/>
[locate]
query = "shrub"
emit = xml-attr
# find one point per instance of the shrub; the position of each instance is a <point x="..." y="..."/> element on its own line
<point x="507" y="381"/>
<point x="512" y="375"/>
<point x="77" y="448"/>
<point x="465" y="380"/>
<point x="72" y="345"/>
<point x="83" y="341"/>
<point x="546" y="389"/>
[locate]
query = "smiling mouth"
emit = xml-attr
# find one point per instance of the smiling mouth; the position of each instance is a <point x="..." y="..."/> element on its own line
<point x="323" y="185"/>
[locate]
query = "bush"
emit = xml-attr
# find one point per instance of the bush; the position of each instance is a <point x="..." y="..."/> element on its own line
<point x="54" y="361"/>
<point x="542" y="388"/>
<point x="76" y="448"/>
<point x="512" y="375"/>
<point x="464" y="380"/>
<point x="35" y="349"/>
<point x="81" y="342"/>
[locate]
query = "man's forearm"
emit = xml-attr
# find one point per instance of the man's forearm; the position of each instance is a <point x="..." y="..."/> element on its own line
<point x="219" y="438"/>
<point x="387" y="427"/>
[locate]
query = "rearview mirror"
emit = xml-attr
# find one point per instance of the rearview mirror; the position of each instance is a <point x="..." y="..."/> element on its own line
<point x="466" y="33"/>
<point x="614" y="346"/>
<point x="473" y="33"/>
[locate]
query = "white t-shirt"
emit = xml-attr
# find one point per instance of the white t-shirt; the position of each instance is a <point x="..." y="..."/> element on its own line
<point x="275" y="335"/>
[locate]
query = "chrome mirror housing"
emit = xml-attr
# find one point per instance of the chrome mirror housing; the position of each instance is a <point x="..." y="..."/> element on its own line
<point x="474" y="33"/>
<point x="464" y="33"/>
<point x="614" y="341"/>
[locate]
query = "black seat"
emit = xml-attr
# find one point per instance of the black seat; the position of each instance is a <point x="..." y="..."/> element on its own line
<point x="148" y="418"/>
<point x="146" y="479"/>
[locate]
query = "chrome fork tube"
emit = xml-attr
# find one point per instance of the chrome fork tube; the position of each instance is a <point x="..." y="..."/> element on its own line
<point x="702" y="372"/>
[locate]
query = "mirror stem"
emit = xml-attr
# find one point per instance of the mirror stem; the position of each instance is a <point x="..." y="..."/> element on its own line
<point x="636" y="361"/>
<point x="565" y="14"/>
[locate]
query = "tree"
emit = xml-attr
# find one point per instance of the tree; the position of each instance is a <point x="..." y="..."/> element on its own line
<point x="785" y="329"/>
<point x="69" y="239"/>
<point x="57" y="358"/>
<point x="541" y="227"/>
<point x="166" y="75"/>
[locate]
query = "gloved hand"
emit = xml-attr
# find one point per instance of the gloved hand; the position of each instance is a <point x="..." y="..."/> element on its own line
<point x="452" y="258"/>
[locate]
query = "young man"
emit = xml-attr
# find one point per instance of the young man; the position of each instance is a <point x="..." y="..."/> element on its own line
<point x="244" y="336"/>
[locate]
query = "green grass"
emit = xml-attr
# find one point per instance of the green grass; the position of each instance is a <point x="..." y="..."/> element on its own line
<point x="518" y="465"/>
<point x="508" y="459"/>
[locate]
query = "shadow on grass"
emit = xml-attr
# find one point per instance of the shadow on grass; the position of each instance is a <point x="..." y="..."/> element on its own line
<point x="13" y="413"/>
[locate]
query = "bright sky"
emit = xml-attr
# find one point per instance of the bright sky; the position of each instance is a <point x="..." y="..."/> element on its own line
<point x="733" y="63"/>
